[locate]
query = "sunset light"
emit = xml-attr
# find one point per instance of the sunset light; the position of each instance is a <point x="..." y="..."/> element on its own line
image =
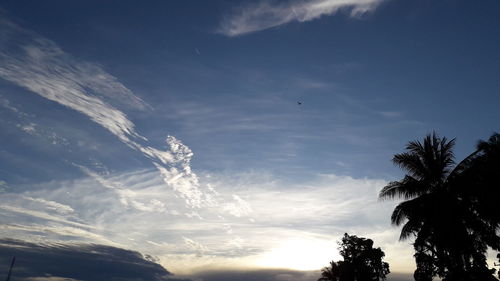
<point x="300" y="254"/>
<point x="237" y="140"/>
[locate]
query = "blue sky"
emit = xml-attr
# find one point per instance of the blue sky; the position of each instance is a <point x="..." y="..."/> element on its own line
<point x="172" y="128"/>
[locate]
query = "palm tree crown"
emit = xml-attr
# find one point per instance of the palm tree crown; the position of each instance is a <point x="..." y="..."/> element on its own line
<point x="441" y="211"/>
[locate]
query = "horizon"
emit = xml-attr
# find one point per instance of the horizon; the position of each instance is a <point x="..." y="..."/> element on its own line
<point x="231" y="137"/>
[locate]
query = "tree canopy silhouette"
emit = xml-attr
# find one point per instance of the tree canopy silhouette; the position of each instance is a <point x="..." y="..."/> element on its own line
<point x="361" y="262"/>
<point x="451" y="211"/>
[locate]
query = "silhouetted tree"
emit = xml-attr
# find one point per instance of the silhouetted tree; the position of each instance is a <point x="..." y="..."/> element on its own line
<point x="478" y="180"/>
<point x="449" y="211"/>
<point x="361" y="262"/>
<point x="498" y="257"/>
<point x="334" y="272"/>
<point x="425" y="267"/>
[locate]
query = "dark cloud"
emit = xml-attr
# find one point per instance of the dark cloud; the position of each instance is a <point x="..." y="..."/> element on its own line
<point x="78" y="261"/>
<point x="259" y="275"/>
<point x="276" y="275"/>
<point x="400" y="277"/>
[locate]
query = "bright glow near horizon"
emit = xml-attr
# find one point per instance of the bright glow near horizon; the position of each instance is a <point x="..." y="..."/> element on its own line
<point x="230" y="135"/>
<point x="300" y="254"/>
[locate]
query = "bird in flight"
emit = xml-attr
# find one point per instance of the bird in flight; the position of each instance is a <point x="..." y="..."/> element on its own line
<point x="299" y="103"/>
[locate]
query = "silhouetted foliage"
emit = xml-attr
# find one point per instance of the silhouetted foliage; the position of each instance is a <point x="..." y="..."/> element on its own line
<point x="451" y="211"/>
<point x="498" y="257"/>
<point x="361" y="262"/>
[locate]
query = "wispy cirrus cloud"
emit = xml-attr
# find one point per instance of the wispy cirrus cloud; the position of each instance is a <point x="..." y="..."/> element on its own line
<point x="39" y="65"/>
<point x="267" y="14"/>
<point x="51" y="205"/>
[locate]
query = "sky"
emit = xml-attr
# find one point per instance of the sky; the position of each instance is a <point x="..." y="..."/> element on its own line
<point x="223" y="137"/>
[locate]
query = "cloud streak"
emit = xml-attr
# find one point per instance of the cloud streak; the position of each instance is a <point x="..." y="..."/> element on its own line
<point x="40" y="66"/>
<point x="268" y="14"/>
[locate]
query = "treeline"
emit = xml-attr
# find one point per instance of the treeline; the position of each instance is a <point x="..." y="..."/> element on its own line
<point x="451" y="210"/>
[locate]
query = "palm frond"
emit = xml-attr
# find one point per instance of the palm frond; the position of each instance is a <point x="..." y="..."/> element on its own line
<point x="410" y="228"/>
<point x="415" y="208"/>
<point x="407" y="188"/>
<point x="411" y="163"/>
<point x="493" y="141"/>
<point x="400" y="214"/>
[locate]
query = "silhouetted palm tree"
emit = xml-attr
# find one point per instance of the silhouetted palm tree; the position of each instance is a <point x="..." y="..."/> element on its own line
<point x="451" y="234"/>
<point x="479" y="182"/>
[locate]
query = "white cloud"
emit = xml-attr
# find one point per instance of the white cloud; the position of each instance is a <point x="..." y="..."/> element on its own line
<point x="267" y="14"/>
<point x="236" y="242"/>
<point x="29" y="128"/>
<point x="182" y="179"/>
<point x="142" y="200"/>
<point x="6" y="104"/>
<point x="41" y="215"/>
<point x="48" y="232"/>
<point x="58" y="207"/>
<point x="39" y="65"/>
<point x="197" y="246"/>
<point x="238" y="207"/>
<point x="135" y="210"/>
